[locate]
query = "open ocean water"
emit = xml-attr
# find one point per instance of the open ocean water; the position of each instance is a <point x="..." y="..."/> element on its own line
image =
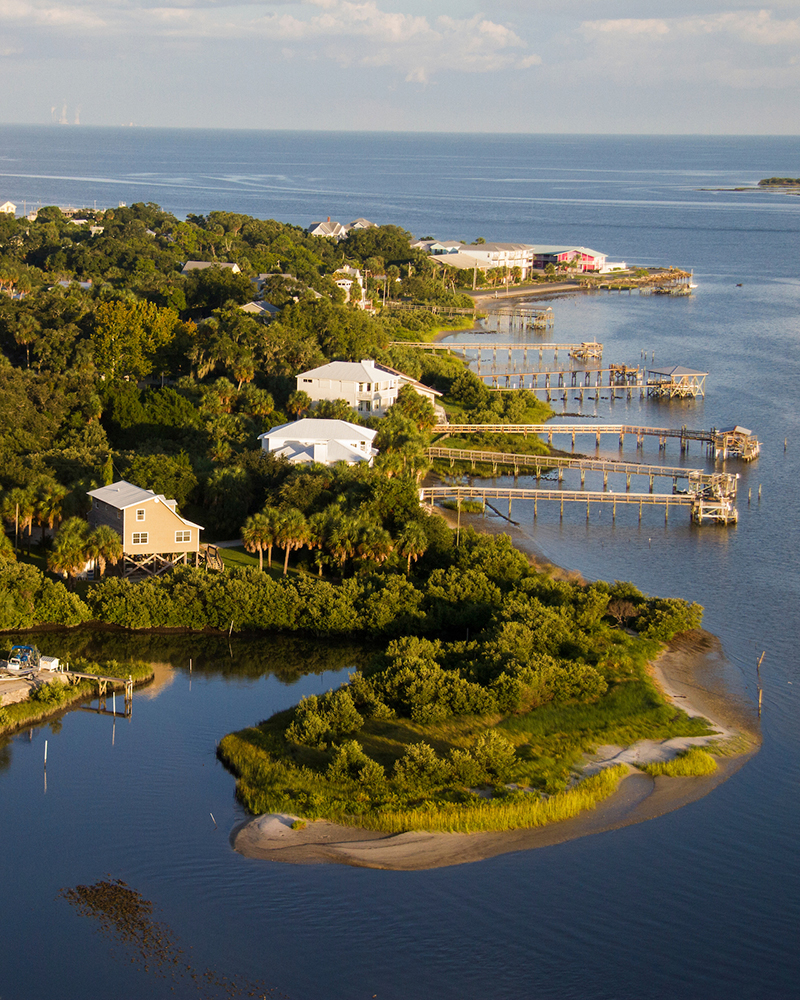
<point x="701" y="903"/>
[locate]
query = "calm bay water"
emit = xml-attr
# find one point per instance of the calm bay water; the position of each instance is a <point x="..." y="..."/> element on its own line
<point x="700" y="903"/>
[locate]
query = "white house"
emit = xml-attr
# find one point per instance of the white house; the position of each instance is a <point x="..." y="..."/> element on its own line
<point x="437" y="247"/>
<point x="345" y="278"/>
<point x="500" y="255"/>
<point x="8" y="207"/>
<point x="333" y="230"/>
<point x="324" y="441"/>
<point x="367" y="386"/>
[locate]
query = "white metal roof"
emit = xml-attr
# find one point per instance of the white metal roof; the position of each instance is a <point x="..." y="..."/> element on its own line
<point x="349" y="371"/>
<point x="319" y="429"/>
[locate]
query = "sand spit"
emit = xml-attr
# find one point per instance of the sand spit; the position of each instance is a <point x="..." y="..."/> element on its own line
<point x="692" y="672"/>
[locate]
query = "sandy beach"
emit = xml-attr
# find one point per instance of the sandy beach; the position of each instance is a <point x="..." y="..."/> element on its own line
<point x="693" y="674"/>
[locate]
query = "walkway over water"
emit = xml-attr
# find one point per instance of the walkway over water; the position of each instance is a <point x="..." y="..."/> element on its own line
<point x="719" y="510"/>
<point x="733" y="442"/>
<point x="588" y="348"/>
<point x="719" y="483"/>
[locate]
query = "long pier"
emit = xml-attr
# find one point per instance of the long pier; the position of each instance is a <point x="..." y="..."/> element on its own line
<point x="589" y="348"/>
<point x="619" y="376"/>
<point x="733" y="442"/>
<point x="719" y="510"/>
<point x="698" y="481"/>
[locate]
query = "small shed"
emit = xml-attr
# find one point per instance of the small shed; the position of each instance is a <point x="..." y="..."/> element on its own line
<point x="676" y="382"/>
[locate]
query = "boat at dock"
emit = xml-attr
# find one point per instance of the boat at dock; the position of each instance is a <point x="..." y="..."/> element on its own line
<point x="27" y="659"/>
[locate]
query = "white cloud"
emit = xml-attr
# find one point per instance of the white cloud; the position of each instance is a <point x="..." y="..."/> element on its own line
<point x="740" y="49"/>
<point x="351" y="32"/>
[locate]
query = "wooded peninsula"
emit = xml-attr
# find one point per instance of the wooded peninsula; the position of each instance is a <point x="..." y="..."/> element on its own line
<point x="485" y="678"/>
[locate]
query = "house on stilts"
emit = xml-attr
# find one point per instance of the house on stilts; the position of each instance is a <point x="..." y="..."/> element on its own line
<point x="155" y="537"/>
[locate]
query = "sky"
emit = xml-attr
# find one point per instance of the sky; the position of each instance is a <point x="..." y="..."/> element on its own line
<point x="589" y="66"/>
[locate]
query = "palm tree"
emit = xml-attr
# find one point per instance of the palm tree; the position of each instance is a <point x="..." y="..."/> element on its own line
<point x="374" y="544"/>
<point x="342" y="537"/>
<point x="69" y="548"/>
<point x="292" y="533"/>
<point x="50" y="497"/>
<point x="104" y="546"/>
<point x="259" y="532"/>
<point x="19" y="508"/>
<point x="412" y="543"/>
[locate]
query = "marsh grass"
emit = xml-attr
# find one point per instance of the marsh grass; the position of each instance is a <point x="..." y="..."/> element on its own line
<point x="692" y="763"/>
<point x="521" y="811"/>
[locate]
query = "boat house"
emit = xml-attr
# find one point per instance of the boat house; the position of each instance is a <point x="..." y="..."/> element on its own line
<point x="676" y="382"/>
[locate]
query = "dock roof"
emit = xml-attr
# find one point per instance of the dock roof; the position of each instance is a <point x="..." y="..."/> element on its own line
<point x="675" y="371"/>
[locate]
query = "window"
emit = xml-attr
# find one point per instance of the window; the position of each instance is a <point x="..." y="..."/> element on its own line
<point x="140" y="514"/>
<point x="140" y="538"/>
<point x="308" y="381"/>
<point x="183" y="536"/>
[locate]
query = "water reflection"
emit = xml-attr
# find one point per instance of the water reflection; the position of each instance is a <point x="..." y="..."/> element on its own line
<point x="285" y="657"/>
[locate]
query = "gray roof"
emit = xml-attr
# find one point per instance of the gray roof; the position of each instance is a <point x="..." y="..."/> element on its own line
<point x="462" y="261"/>
<point x="467" y="247"/>
<point x="123" y="495"/>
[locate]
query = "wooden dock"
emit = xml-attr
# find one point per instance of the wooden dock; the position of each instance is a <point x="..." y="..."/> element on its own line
<point x="721" y="484"/>
<point x="592" y="346"/>
<point x="104" y="685"/>
<point x="734" y="442"/>
<point x="717" y="510"/>
<point x="566" y="378"/>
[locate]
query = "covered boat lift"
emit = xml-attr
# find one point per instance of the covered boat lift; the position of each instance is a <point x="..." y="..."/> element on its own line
<point x="676" y="382"/>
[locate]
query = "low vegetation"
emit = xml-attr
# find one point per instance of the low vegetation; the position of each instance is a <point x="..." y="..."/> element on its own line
<point x="692" y="763"/>
<point x="477" y="724"/>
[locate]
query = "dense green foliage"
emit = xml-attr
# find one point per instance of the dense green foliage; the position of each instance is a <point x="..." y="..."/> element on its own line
<point x="500" y="675"/>
<point x="114" y="364"/>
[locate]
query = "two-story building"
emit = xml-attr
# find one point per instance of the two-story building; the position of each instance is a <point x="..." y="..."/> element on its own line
<point x="581" y="258"/>
<point x="370" y="388"/>
<point x="155" y="537"/>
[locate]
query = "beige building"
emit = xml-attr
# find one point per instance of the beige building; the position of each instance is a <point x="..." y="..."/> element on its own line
<point x="154" y="535"/>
